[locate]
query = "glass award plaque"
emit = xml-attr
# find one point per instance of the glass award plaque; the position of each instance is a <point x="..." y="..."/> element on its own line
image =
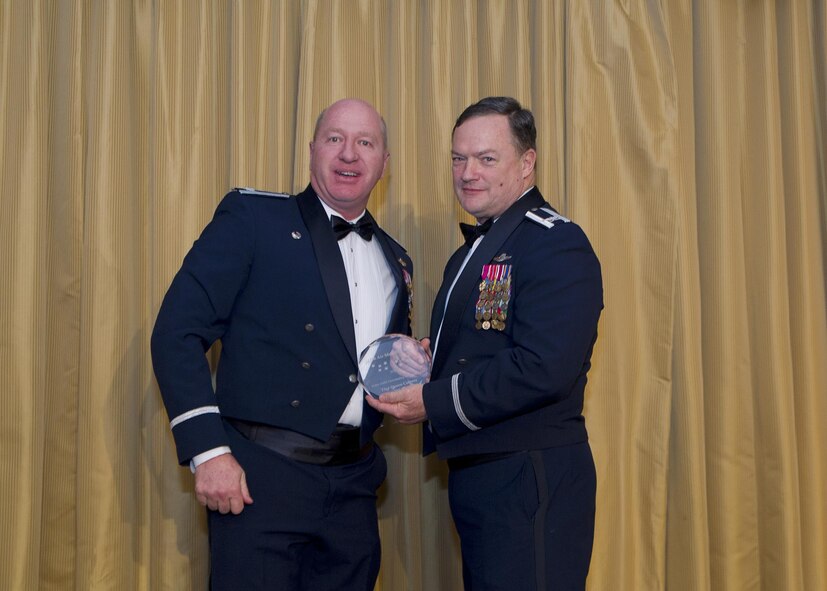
<point x="392" y="362"/>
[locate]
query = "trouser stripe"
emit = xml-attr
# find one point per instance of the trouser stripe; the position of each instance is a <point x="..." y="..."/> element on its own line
<point x="540" y="520"/>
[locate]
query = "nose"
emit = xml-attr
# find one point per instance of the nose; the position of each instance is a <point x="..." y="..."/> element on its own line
<point x="349" y="153"/>
<point x="469" y="171"/>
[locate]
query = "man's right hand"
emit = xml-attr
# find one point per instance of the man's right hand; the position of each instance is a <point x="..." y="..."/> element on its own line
<point x="220" y="485"/>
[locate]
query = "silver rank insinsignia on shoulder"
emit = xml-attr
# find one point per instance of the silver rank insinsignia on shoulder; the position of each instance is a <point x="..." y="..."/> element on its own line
<point x="252" y="191"/>
<point x="545" y="216"/>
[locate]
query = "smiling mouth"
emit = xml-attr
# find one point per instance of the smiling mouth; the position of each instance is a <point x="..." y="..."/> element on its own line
<point x="347" y="173"/>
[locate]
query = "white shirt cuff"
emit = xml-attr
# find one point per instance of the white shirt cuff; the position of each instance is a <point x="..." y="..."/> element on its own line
<point x="208" y="455"/>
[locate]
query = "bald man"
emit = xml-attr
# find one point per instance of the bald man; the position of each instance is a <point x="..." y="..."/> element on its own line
<point x="294" y="287"/>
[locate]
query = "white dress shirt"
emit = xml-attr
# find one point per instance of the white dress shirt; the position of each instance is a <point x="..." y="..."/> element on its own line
<point x="372" y="295"/>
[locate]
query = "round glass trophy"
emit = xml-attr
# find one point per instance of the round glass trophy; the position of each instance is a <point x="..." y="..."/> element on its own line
<point x="392" y="362"/>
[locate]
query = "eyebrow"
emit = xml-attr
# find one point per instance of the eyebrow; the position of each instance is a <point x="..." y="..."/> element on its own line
<point x="476" y="154"/>
<point x="341" y="131"/>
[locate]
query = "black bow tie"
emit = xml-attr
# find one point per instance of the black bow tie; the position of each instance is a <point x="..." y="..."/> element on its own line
<point x="472" y="232"/>
<point x="341" y="228"/>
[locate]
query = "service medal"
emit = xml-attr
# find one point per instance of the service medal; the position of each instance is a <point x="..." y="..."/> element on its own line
<point x="491" y="309"/>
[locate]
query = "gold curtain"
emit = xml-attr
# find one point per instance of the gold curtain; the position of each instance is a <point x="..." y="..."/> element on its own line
<point x="687" y="138"/>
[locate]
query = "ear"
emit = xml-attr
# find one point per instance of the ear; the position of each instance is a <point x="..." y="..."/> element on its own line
<point x="528" y="160"/>
<point x="310" y="146"/>
<point x="385" y="164"/>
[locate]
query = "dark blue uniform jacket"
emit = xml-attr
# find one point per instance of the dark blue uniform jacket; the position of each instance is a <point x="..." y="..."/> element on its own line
<point x="265" y="278"/>
<point x="520" y="388"/>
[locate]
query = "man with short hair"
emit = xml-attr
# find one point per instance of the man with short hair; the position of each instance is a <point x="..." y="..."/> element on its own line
<point x="294" y="287"/>
<point x="512" y="331"/>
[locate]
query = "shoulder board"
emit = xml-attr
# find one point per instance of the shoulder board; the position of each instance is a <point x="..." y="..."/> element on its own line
<point x="251" y="191"/>
<point x="545" y="216"/>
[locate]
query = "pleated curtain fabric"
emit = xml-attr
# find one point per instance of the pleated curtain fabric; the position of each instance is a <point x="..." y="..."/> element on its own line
<point x="687" y="138"/>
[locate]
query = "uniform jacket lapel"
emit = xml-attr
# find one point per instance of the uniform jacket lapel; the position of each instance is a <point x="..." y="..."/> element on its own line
<point x="470" y="277"/>
<point x="331" y="267"/>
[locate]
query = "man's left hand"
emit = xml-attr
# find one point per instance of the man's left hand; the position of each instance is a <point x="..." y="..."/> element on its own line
<point x="405" y="405"/>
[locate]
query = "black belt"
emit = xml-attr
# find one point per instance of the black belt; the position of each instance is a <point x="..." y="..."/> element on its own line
<point x="342" y="447"/>
<point x="477" y="459"/>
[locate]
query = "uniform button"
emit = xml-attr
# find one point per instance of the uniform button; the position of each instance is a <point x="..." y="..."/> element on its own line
<point x="352" y="378"/>
<point x="462" y="361"/>
<point x="309" y="327"/>
<point x="305" y="364"/>
<point x="295" y="404"/>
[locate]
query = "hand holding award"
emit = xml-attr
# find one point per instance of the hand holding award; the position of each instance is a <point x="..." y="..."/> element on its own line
<point x="392" y="362"/>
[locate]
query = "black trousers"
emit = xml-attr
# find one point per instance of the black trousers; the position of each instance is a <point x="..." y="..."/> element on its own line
<point x="310" y="527"/>
<point x="526" y="521"/>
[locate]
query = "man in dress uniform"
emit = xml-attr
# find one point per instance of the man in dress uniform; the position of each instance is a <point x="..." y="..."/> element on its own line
<point x="294" y="287"/>
<point x="512" y="332"/>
